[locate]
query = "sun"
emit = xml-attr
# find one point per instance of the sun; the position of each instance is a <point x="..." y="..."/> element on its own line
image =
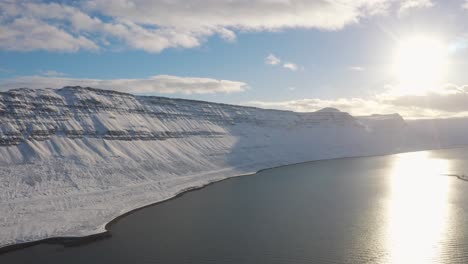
<point x="420" y="64"/>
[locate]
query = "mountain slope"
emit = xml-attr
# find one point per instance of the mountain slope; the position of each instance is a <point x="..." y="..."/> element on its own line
<point x="75" y="158"/>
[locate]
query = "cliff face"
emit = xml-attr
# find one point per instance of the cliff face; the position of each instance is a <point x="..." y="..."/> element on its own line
<point x="75" y="112"/>
<point x="73" y="159"/>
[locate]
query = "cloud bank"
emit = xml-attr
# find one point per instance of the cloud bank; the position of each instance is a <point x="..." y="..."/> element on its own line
<point x="450" y="101"/>
<point x="155" y="25"/>
<point x="164" y="84"/>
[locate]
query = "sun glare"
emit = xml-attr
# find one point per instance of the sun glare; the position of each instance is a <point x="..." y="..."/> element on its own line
<point x="418" y="214"/>
<point x="420" y="64"/>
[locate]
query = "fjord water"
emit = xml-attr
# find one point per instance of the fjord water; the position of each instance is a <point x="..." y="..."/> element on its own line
<point x="389" y="209"/>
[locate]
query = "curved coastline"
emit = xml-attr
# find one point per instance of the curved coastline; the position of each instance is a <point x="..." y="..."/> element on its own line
<point x="72" y="241"/>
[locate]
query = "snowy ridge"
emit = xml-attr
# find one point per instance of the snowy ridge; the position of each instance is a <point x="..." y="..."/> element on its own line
<point x="73" y="159"/>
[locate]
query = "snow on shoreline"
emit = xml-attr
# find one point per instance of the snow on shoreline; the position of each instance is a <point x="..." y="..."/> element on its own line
<point x="74" y="159"/>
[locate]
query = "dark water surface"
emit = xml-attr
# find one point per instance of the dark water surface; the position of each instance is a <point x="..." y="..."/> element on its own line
<point x="388" y="209"/>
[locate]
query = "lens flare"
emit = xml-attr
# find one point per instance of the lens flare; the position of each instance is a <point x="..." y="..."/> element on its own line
<point x="420" y="64"/>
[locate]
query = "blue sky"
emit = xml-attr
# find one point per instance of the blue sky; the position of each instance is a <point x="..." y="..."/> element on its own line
<point x="338" y="55"/>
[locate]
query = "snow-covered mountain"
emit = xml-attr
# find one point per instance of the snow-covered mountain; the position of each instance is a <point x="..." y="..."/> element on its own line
<point x="75" y="158"/>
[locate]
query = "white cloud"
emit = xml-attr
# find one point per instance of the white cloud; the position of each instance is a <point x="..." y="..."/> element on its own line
<point x="451" y="101"/>
<point x="51" y="73"/>
<point x="227" y="34"/>
<point x="154" y="25"/>
<point x="25" y="34"/>
<point x="290" y="66"/>
<point x="31" y="25"/>
<point x="248" y="15"/>
<point x="271" y="59"/>
<point x="166" y="84"/>
<point x="356" y="68"/>
<point x="406" y="5"/>
<point x="5" y="70"/>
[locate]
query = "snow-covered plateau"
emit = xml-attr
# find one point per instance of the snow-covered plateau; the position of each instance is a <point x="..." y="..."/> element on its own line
<point x="73" y="159"/>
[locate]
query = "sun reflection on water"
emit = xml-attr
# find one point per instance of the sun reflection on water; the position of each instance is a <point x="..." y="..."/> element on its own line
<point x="418" y="208"/>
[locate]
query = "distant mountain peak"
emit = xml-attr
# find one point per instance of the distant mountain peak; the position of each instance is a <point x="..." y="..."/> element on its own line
<point x="329" y="109"/>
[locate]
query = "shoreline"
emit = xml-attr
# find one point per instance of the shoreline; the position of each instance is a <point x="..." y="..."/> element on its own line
<point x="73" y="241"/>
<point x="76" y="241"/>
